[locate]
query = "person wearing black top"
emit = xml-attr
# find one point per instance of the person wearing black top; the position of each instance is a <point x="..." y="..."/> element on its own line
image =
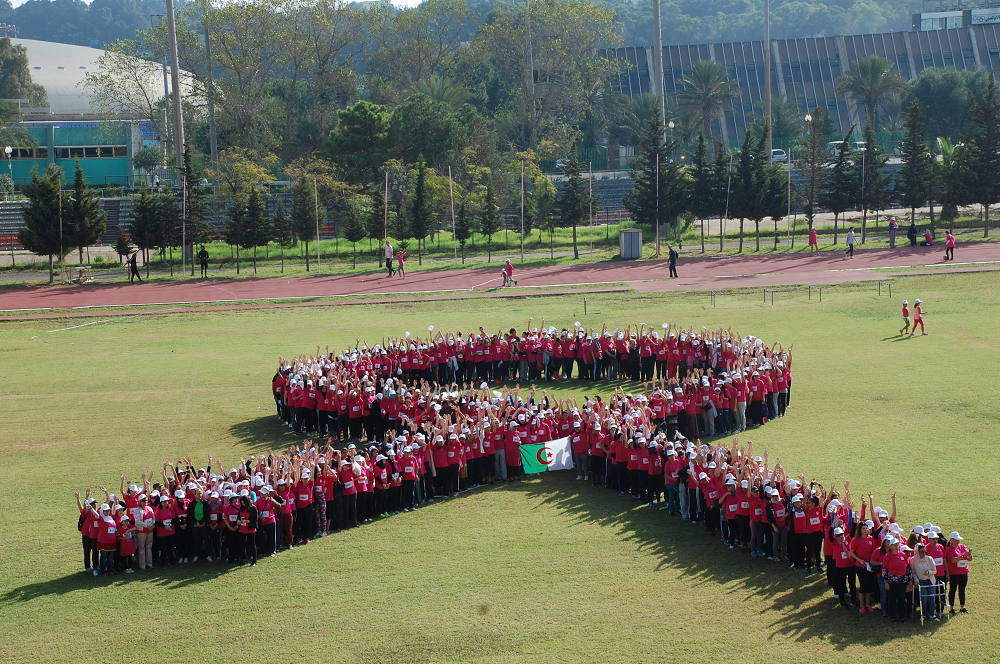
<point x="673" y="260"/>
<point x="133" y="269"/>
<point x="249" y="518"/>
<point x="203" y="259"/>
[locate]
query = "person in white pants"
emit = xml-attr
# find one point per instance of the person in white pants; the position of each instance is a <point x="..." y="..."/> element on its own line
<point x="144" y="534"/>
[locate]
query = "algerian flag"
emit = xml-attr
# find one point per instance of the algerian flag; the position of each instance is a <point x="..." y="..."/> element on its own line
<point x="553" y="455"/>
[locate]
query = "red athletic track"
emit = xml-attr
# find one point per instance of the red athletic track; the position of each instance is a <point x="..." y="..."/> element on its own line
<point x="646" y="276"/>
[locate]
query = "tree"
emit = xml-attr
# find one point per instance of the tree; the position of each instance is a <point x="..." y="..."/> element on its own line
<point x="661" y="192"/>
<point x="539" y="202"/>
<point x="463" y="227"/>
<point x="354" y="225"/>
<point x="122" y="246"/>
<point x="194" y="205"/>
<point x="745" y="198"/>
<point x="145" y="223"/>
<point x="814" y="160"/>
<point x="944" y="94"/>
<point x="951" y="178"/>
<point x="707" y="90"/>
<point x="872" y="179"/>
<point x="703" y="203"/>
<point x="420" y="208"/>
<point x="786" y="120"/>
<point x="127" y="82"/>
<point x="722" y="178"/>
<point x="490" y="219"/>
<point x="169" y="230"/>
<point x="359" y="145"/>
<point x="281" y="231"/>
<point x="84" y="222"/>
<point x="399" y="229"/>
<point x="423" y="129"/>
<point x="12" y="132"/>
<point x="871" y="80"/>
<point x="15" y="77"/>
<point x="575" y="201"/>
<point x="42" y="234"/>
<point x="983" y="144"/>
<point x="548" y="93"/>
<point x="236" y="226"/>
<point x="257" y="229"/>
<point x="303" y="216"/>
<point x="914" y="178"/>
<point x="146" y="160"/>
<point x="839" y="188"/>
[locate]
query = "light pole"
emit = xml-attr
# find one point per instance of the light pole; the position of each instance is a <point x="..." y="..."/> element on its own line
<point x="671" y="125"/>
<point x="8" y="151"/>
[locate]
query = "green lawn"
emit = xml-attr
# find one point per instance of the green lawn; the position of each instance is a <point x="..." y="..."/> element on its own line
<point x="548" y="570"/>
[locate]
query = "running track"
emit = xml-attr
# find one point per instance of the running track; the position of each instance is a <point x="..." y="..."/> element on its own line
<point x="696" y="274"/>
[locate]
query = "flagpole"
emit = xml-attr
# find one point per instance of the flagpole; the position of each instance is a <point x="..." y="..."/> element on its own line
<point x="451" y="191"/>
<point x="522" y="210"/>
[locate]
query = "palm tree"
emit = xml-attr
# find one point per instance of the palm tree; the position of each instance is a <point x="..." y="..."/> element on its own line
<point x="892" y="108"/>
<point x="443" y="89"/>
<point x="708" y="90"/>
<point x="11" y="131"/>
<point x="871" y="80"/>
<point x="786" y="118"/>
<point x="638" y="113"/>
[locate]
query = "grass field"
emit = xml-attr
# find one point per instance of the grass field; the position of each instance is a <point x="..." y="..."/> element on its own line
<point x="547" y="570"/>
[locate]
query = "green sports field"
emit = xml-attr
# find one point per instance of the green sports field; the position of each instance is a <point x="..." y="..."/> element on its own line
<point x="546" y="570"/>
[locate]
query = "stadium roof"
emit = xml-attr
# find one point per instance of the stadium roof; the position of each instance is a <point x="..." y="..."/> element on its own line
<point x="60" y="67"/>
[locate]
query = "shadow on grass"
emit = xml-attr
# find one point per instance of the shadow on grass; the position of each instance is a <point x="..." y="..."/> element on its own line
<point x="171" y="578"/>
<point x="789" y="598"/>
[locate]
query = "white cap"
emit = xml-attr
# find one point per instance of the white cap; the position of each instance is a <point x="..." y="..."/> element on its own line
<point x="838" y="531"/>
<point x="954" y="535"/>
<point x="178" y="494"/>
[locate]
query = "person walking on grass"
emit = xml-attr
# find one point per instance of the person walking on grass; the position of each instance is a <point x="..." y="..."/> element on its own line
<point x="906" y="318"/>
<point x="203" y="259"/>
<point x="918" y="317"/>
<point x="850" y="242"/>
<point x="672" y="255"/>
<point x="133" y="269"/>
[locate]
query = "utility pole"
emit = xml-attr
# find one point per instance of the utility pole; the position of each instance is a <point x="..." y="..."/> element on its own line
<point x="316" y="201"/>
<point x="767" y="75"/>
<point x="451" y="192"/>
<point x="658" y="60"/>
<point x="175" y="80"/>
<point x="213" y="139"/>
<point x="522" y="207"/>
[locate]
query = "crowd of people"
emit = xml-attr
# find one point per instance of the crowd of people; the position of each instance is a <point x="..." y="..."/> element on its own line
<point x="401" y="432"/>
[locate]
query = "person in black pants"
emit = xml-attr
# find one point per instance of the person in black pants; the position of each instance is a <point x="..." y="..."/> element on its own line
<point x="673" y="260"/>
<point x="249" y="517"/>
<point x="198" y="516"/>
<point x="133" y="269"/>
<point x="203" y="259"/>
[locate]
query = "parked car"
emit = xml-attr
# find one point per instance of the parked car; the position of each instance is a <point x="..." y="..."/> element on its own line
<point x="779" y="156"/>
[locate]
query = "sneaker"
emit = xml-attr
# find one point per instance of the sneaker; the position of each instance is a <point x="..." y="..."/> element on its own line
<point x="936" y="619"/>
<point x="253" y="564"/>
<point x="128" y="571"/>
<point x="963" y="610"/>
<point x="210" y="559"/>
<point x="96" y="573"/>
<point x="406" y="509"/>
<point x="861" y="610"/>
<point x="195" y="559"/>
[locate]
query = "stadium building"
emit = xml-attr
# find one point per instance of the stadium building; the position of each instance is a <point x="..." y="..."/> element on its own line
<point x="805" y="69"/>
